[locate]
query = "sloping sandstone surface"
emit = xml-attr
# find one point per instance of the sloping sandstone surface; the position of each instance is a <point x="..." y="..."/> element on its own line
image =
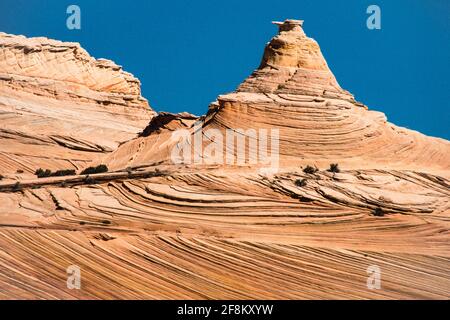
<point x="60" y="108"/>
<point x="208" y="226"/>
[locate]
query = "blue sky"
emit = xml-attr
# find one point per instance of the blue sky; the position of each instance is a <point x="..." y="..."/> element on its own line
<point x="187" y="52"/>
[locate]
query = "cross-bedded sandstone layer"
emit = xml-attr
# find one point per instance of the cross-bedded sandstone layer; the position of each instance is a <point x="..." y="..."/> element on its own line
<point x="150" y="228"/>
<point x="60" y="108"/>
<point x="294" y="91"/>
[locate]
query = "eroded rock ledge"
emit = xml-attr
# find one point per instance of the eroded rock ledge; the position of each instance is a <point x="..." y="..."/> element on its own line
<point x="60" y="107"/>
<point x="49" y="67"/>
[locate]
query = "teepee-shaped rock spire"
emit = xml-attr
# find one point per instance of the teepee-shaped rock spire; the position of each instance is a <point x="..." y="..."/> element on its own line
<point x="293" y="63"/>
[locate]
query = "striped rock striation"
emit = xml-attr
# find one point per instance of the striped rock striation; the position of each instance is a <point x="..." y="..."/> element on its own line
<point x="154" y="228"/>
<point x="61" y="108"/>
<point x="294" y="91"/>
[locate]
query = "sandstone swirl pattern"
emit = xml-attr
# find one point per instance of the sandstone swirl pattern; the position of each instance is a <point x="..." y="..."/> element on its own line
<point x="150" y="228"/>
<point x="60" y="108"/>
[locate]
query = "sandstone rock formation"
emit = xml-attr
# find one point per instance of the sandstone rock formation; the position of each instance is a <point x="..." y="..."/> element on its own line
<point x="294" y="91"/>
<point x="152" y="228"/>
<point x="61" y="108"/>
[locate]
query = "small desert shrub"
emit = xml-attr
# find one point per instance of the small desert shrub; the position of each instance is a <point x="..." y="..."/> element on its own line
<point x="310" y="169"/>
<point x="41" y="173"/>
<point x="1" y="177"/>
<point x="98" y="169"/>
<point x="19" y="171"/>
<point x="334" y="167"/>
<point x="378" y="212"/>
<point x="89" y="180"/>
<point x="65" y="172"/>
<point x="300" y="182"/>
<point x="17" y="186"/>
<point x="147" y="175"/>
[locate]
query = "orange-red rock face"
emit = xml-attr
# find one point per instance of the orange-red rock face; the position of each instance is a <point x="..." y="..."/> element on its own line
<point x="319" y="123"/>
<point x="61" y="108"/>
<point x="151" y="228"/>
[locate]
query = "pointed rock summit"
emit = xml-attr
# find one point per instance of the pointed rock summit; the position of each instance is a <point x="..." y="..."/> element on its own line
<point x="294" y="92"/>
<point x="293" y="63"/>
